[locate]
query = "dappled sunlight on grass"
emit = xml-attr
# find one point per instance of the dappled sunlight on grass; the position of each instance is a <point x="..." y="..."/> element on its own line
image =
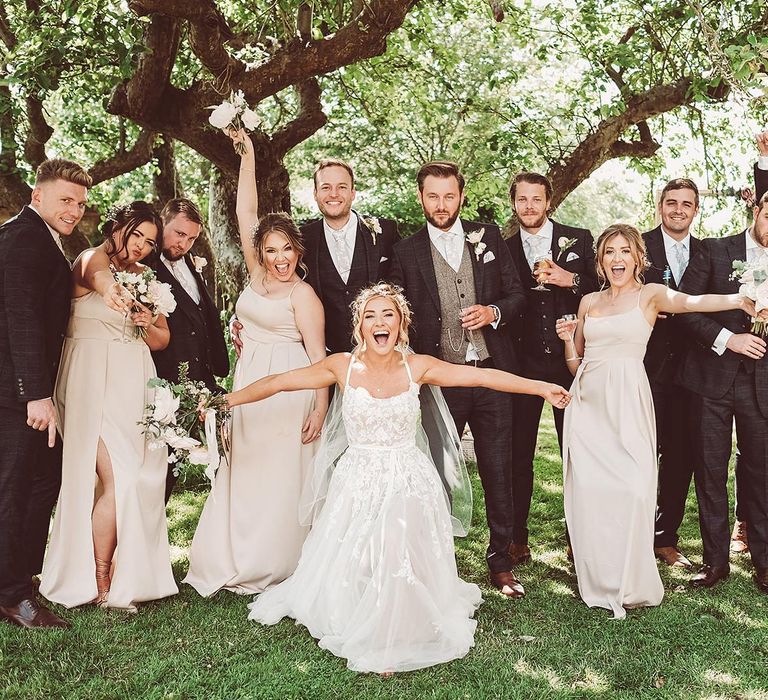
<point x="546" y="674"/>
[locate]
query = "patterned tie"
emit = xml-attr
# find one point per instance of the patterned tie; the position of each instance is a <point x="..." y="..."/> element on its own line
<point x="682" y="260"/>
<point x="343" y="258"/>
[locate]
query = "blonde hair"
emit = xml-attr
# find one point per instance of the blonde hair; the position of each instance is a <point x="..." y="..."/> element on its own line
<point x="636" y="245"/>
<point x="60" y="169"/>
<point x="386" y="291"/>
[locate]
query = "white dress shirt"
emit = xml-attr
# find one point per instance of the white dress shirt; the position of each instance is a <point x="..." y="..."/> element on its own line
<point x="348" y="233"/>
<point x="762" y="163"/>
<point x="56" y="236"/>
<point x="180" y="270"/>
<point x="450" y="244"/>
<point x="753" y="251"/>
<point x="672" y="256"/>
<point x="539" y="243"/>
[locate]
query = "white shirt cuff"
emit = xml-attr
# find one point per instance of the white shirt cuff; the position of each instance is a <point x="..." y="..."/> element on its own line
<point x="762" y="163"/>
<point x="495" y="324"/>
<point x="722" y="338"/>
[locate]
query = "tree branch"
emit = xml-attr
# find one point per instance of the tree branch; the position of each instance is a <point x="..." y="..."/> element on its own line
<point x="39" y="133"/>
<point x="310" y="118"/>
<point x="7" y="35"/>
<point x="497" y="9"/>
<point x="120" y="163"/>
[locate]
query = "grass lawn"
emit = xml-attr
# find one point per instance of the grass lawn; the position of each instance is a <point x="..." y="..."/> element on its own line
<point x="707" y="645"/>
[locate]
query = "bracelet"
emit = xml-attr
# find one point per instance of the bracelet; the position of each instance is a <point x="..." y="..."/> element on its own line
<point x="247" y="170"/>
<point x="572" y="359"/>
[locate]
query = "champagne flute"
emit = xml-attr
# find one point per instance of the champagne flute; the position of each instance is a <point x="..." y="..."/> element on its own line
<point x="572" y="335"/>
<point x="541" y="262"/>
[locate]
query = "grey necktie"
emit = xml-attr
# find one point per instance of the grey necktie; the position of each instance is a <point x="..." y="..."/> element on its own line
<point x="682" y="260"/>
<point x="343" y="258"/>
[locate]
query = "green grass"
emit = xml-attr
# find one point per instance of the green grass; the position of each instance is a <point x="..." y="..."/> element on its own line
<point x="696" y="645"/>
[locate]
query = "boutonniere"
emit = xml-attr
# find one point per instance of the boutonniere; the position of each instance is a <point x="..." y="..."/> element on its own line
<point x="199" y="263"/>
<point x="373" y="225"/>
<point x="475" y="238"/>
<point x="564" y="244"/>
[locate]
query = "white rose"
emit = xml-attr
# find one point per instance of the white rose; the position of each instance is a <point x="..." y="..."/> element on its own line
<point x="562" y="242"/>
<point x="162" y="298"/>
<point x="198" y="455"/>
<point x="166" y="406"/>
<point x="199" y="263"/>
<point x="480" y="247"/>
<point x="250" y="119"/>
<point x="179" y="442"/>
<point x="761" y="297"/>
<point x="476" y="236"/>
<point x="222" y="115"/>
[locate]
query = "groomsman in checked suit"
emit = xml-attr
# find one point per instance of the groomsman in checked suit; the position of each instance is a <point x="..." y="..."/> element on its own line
<point x="463" y="288"/>
<point x="197" y="337"/>
<point x="669" y="248"/>
<point x="728" y="371"/>
<point x="345" y="251"/>
<point x="35" y="283"/>
<point x="571" y="275"/>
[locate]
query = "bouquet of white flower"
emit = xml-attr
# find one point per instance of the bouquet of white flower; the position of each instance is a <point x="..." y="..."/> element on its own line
<point x="173" y="419"/>
<point x="753" y="277"/>
<point x="234" y="114"/>
<point x="144" y="288"/>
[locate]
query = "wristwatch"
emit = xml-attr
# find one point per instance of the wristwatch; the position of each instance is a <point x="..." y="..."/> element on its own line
<point x="575" y="285"/>
<point x="496" y="313"/>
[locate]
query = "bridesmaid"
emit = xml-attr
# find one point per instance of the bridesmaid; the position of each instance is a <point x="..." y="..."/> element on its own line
<point x="109" y="543"/>
<point x="609" y="455"/>
<point x="249" y="537"/>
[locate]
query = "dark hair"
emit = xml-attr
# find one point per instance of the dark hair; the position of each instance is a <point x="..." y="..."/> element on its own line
<point x="333" y="163"/>
<point x="680" y="183"/>
<point x="128" y="217"/>
<point x="531" y="179"/>
<point x="181" y="205"/>
<point x="762" y="201"/>
<point x="279" y="222"/>
<point x="60" y="169"/>
<point x="439" y="168"/>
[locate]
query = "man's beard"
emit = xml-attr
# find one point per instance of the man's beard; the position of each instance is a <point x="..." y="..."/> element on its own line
<point x="447" y="225"/>
<point x="171" y="257"/>
<point x="760" y="234"/>
<point x="534" y="225"/>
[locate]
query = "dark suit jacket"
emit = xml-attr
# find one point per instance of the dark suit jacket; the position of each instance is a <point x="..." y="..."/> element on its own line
<point x="533" y="331"/>
<point x="761" y="182"/>
<point x="496" y="282"/>
<point x="703" y="371"/>
<point x="669" y="340"/>
<point x="371" y="263"/>
<point x="196" y="333"/>
<point x="35" y="294"/>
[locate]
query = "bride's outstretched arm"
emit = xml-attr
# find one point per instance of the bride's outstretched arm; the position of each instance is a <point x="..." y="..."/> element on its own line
<point x="430" y="370"/>
<point x="321" y="374"/>
<point x="247" y="206"/>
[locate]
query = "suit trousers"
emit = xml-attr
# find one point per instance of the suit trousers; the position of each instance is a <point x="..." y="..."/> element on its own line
<point x="525" y="434"/>
<point x="30" y="479"/>
<point x="489" y="415"/>
<point x="672" y="405"/>
<point x="713" y="450"/>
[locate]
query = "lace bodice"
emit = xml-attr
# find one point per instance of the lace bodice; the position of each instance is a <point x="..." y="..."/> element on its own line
<point x="384" y="423"/>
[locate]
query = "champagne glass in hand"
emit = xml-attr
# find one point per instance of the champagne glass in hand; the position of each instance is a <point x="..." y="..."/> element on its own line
<point x="541" y="262"/>
<point x="571" y="319"/>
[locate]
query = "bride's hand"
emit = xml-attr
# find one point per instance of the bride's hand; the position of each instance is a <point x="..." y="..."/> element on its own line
<point x="312" y="427"/>
<point x="748" y="306"/>
<point x="240" y="136"/>
<point x="557" y="396"/>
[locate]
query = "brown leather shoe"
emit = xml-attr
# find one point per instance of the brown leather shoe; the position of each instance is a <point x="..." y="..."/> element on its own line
<point x="520" y="553"/>
<point x="29" y="613"/>
<point x="672" y="556"/>
<point x="507" y="583"/>
<point x="761" y="580"/>
<point x="739" y="542"/>
<point x="569" y="553"/>
<point x="707" y="576"/>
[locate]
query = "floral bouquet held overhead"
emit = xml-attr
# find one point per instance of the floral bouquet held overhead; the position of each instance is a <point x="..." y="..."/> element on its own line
<point x="144" y="289"/>
<point x="232" y="115"/>
<point x="753" y="277"/>
<point x="173" y="420"/>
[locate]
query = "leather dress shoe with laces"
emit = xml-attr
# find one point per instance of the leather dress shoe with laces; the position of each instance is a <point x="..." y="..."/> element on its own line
<point x="761" y="580"/>
<point x="508" y="584"/>
<point x="672" y="556"/>
<point x="29" y="613"/>
<point x="519" y="553"/>
<point x="707" y="576"/>
<point x="739" y="541"/>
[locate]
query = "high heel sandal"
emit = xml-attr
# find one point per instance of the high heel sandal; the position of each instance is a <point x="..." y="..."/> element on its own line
<point x="103" y="582"/>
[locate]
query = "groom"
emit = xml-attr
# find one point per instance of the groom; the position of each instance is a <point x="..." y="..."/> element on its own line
<point x="462" y="285"/>
<point x="34" y="311"/>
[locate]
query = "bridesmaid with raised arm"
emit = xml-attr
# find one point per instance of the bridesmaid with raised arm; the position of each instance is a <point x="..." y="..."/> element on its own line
<point x="609" y="456"/>
<point x="109" y="543"/>
<point x="249" y="536"/>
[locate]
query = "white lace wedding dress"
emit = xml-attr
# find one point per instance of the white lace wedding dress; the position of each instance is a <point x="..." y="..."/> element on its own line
<point x="377" y="582"/>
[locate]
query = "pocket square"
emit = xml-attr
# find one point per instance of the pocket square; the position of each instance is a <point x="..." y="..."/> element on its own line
<point x="488" y="257"/>
<point x="571" y="256"/>
<point x="383" y="260"/>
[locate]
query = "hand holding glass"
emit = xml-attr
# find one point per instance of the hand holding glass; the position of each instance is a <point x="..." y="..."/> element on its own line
<point x="541" y="262"/>
<point x="572" y="321"/>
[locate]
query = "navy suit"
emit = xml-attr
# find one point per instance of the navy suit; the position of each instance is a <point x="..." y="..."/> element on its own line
<point x="35" y="290"/>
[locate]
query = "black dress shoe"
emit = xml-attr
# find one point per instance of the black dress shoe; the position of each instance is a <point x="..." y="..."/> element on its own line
<point x="519" y="553"/>
<point x="508" y="584"/>
<point x="761" y="580"/>
<point x="707" y="576"/>
<point x="29" y="613"/>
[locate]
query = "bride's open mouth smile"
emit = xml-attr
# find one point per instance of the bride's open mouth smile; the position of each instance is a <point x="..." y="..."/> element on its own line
<point x="381" y="338"/>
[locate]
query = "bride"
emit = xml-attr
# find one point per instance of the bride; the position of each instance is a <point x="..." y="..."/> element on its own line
<point x="377" y="582"/>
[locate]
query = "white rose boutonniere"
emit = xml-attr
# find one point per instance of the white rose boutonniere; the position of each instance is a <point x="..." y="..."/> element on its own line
<point x="564" y="244"/>
<point x="199" y="263"/>
<point x="373" y="225"/>
<point x="475" y="238"/>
